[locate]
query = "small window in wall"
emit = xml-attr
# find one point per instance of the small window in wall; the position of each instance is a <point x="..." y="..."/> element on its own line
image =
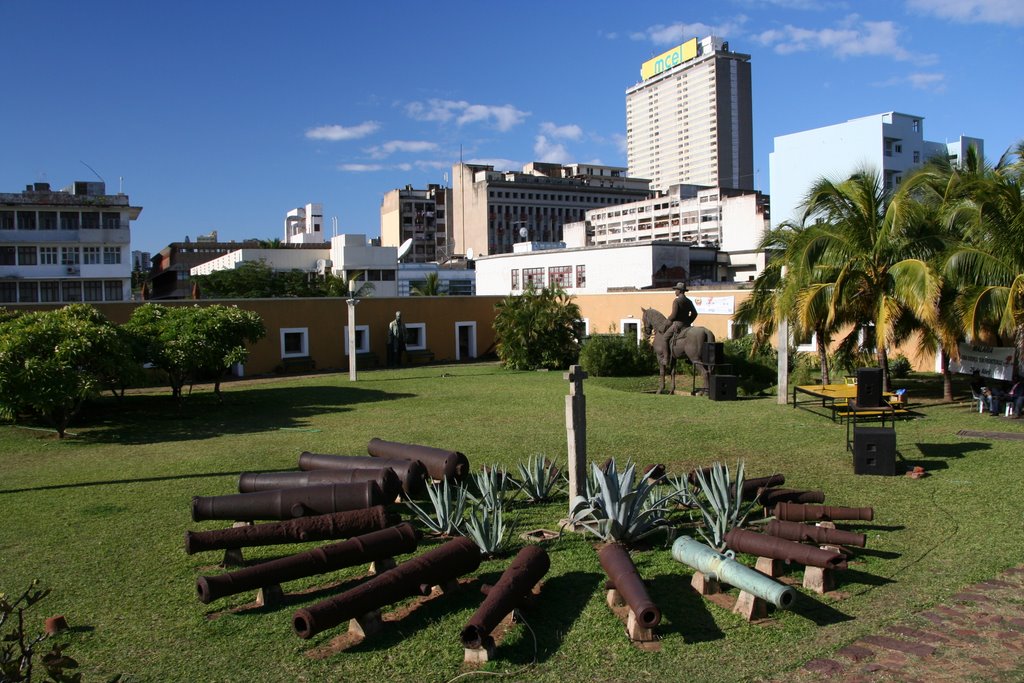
<point x="738" y="330"/>
<point x="415" y="336"/>
<point x="294" y="342"/>
<point x="582" y="328"/>
<point x="113" y="290"/>
<point x="805" y="343"/>
<point x="28" y="291"/>
<point x="362" y="338"/>
<point x="515" y="278"/>
<point x="581" y="276"/>
<point x="630" y="327"/>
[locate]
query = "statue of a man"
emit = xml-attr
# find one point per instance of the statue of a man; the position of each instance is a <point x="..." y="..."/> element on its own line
<point x="396" y="340"/>
<point x="682" y="316"/>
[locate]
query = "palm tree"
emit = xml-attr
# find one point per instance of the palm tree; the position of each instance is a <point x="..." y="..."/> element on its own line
<point x="870" y="264"/>
<point x="431" y="286"/>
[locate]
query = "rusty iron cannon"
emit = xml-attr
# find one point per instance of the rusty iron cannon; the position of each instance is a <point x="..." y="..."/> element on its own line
<point x="440" y="464"/>
<point x="414" y="577"/>
<point x="770" y="497"/>
<point x="796" y="512"/>
<point x="527" y="568"/>
<point x="287" y="503"/>
<point x="727" y="570"/>
<point x="410" y="472"/>
<point x="385" y="477"/>
<point x="806" y="533"/>
<point x="750" y="486"/>
<point x="371" y="547"/>
<point x="624" y="578"/>
<point x="761" y="545"/>
<point x="315" y="528"/>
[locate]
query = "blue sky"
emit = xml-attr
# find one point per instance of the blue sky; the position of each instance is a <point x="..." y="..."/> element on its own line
<point x="225" y="115"/>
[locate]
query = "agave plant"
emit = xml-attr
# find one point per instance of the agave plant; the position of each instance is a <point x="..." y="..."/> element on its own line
<point x="681" y="493"/>
<point x="721" y="503"/>
<point x="449" y="501"/>
<point x="539" y="479"/>
<point x="621" y="510"/>
<point x="492" y="484"/>
<point x="487" y="528"/>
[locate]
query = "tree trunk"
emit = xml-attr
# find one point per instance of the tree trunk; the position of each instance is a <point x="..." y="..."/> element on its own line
<point x="823" y="343"/>
<point x="947" y="378"/>
<point x="883" y="362"/>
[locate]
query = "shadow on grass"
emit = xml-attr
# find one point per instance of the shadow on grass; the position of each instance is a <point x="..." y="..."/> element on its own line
<point x="111" y="482"/>
<point x="561" y="601"/>
<point x="149" y="419"/>
<point x="684" y="609"/>
<point x="952" y="450"/>
<point x="852" y="576"/>
<point x="812" y="609"/>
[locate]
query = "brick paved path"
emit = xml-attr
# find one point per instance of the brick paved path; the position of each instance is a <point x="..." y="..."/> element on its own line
<point x="979" y="636"/>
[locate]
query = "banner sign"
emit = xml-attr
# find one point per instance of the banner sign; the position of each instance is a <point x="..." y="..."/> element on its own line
<point x="988" y="361"/>
<point x="714" y="305"/>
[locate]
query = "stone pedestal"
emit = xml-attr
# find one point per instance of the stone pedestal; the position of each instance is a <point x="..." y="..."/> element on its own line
<point x="366" y="625"/>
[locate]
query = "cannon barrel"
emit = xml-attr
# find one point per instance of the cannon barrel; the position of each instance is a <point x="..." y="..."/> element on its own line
<point x="795" y="512"/>
<point x="385" y="477"/>
<point x="626" y="580"/>
<point x="316" y="528"/>
<point x="376" y="545"/>
<point x="287" y="503"/>
<point x="516" y="582"/>
<point x="744" y="541"/>
<point x="704" y="559"/>
<point x="413" y="577"/>
<point x="750" y="486"/>
<point x="440" y="464"/>
<point x="410" y="472"/>
<point x="770" y="497"/>
<point x="806" y="533"/>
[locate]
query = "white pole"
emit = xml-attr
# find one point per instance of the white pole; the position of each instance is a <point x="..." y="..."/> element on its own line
<point x="352" y="301"/>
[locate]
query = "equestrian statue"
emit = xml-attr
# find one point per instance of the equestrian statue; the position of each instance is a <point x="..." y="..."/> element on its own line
<point x="675" y="337"/>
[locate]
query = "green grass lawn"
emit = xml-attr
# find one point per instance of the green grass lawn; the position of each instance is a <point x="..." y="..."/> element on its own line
<point x="100" y="519"/>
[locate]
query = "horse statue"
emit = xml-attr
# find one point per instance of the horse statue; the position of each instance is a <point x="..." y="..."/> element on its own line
<point x="688" y="345"/>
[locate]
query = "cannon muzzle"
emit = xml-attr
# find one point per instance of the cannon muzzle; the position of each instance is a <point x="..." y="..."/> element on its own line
<point x="626" y="580"/>
<point x="377" y="545"/>
<point x="410" y="472"/>
<point x="727" y="570"/>
<point x="440" y="464"/>
<point x="287" y="503"/>
<point x="744" y="541"/>
<point x="527" y="568"/>
<point x="434" y="567"/>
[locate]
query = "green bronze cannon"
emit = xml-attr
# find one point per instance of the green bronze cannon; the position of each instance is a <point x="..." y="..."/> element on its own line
<point x="727" y="570"/>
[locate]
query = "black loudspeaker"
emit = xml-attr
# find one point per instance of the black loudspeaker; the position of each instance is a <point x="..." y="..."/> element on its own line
<point x="723" y="388"/>
<point x="874" y="450"/>
<point x="713" y="354"/>
<point x="869" y="387"/>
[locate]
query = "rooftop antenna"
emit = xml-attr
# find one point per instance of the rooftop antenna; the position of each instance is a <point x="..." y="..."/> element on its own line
<point x="334" y="226"/>
<point x="94" y="171"/>
<point x="120" y="185"/>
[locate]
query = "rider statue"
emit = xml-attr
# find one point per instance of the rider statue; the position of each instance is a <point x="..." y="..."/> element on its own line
<point x="682" y="316"/>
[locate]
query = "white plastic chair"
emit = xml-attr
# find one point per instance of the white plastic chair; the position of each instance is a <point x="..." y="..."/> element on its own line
<point x="977" y="396"/>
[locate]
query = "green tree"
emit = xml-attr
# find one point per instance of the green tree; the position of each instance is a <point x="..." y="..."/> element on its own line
<point x="51" y="362"/>
<point x="537" y="329"/>
<point x="430" y="286"/>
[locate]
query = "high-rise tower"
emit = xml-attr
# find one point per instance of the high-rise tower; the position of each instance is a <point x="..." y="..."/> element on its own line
<point x="689" y="121"/>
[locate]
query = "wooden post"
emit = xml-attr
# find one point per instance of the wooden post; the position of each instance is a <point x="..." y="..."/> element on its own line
<point x="783" y="366"/>
<point x="576" y="432"/>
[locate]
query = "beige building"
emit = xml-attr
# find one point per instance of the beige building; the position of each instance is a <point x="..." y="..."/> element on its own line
<point x="495" y="209"/>
<point x="423" y="216"/>
<point x="689" y="120"/>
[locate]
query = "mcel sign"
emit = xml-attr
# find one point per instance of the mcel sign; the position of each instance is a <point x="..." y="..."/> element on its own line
<point x="667" y="60"/>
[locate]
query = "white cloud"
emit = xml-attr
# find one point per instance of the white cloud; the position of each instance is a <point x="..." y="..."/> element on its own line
<point x="851" y="38"/>
<point x="335" y="133"/>
<point x="933" y="82"/>
<point x="361" y="168"/>
<point x="973" y="11"/>
<point x="674" y="34"/>
<point x="503" y="117"/>
<point x="567" y="132"/>
<point x="550" y="152"/>
<point x="620" y="142"/>
<point x="392" y="146"/>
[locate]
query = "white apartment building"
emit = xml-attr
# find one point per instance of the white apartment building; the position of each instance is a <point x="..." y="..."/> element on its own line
<point x="689" y="120"/>
<point x="890" y="144"/>
<point x="305" y="225"/>
<point x="422" y="217"/>
<point x="65" y="246"/>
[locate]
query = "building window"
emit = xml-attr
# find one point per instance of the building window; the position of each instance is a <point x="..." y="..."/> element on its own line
<point x="111" y="220"/>
<point x="8" y="292"/>
<point x="90" y="255"/>
<point x="7" y="256"/>
<point x="48" y="256"/>
<point x="93" y="290"/>
<point x="362" y="339"/>
<point x="915" y="125"/>
<point x="71" y="290"/>
<point x="90" y="220"/>
<point x="49" y="291"/>
<point x="415" y="336"/>
<point x="533" y="277"/>
<point x="294" y="342"/>
<point x="113" y="290"/>
<point x="561" y="276"/>
<point x="27" y="256"/>
<point x="111" y="255"/>
<point x="581" y="277"/>
<point x="630" y="327"/>
<point x="515" y="278"/>
<point x="6" y="220"/>
<point x="28" y="292"/>
<point x="68" y="220"/>
<point x="917" y="156"/>
<point x="47" y="220"/>
<point x="26" y="220"/>
<point x="69" y="256"/>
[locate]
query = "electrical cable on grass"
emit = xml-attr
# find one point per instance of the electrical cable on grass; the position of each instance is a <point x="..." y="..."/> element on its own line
<point x="518" y="617"/>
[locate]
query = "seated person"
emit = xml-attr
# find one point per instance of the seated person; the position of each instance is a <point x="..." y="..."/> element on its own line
<point x="1016" y="395"/>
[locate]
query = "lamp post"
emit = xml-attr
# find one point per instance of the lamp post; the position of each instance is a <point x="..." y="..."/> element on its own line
<point x="352" y="301"/>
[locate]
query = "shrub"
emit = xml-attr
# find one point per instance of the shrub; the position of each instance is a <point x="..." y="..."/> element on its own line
<point x="616" y="355"/>
<point x="899" y="367"/>
<point x="537" y="329"/>
<point x="756" y="369"/>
